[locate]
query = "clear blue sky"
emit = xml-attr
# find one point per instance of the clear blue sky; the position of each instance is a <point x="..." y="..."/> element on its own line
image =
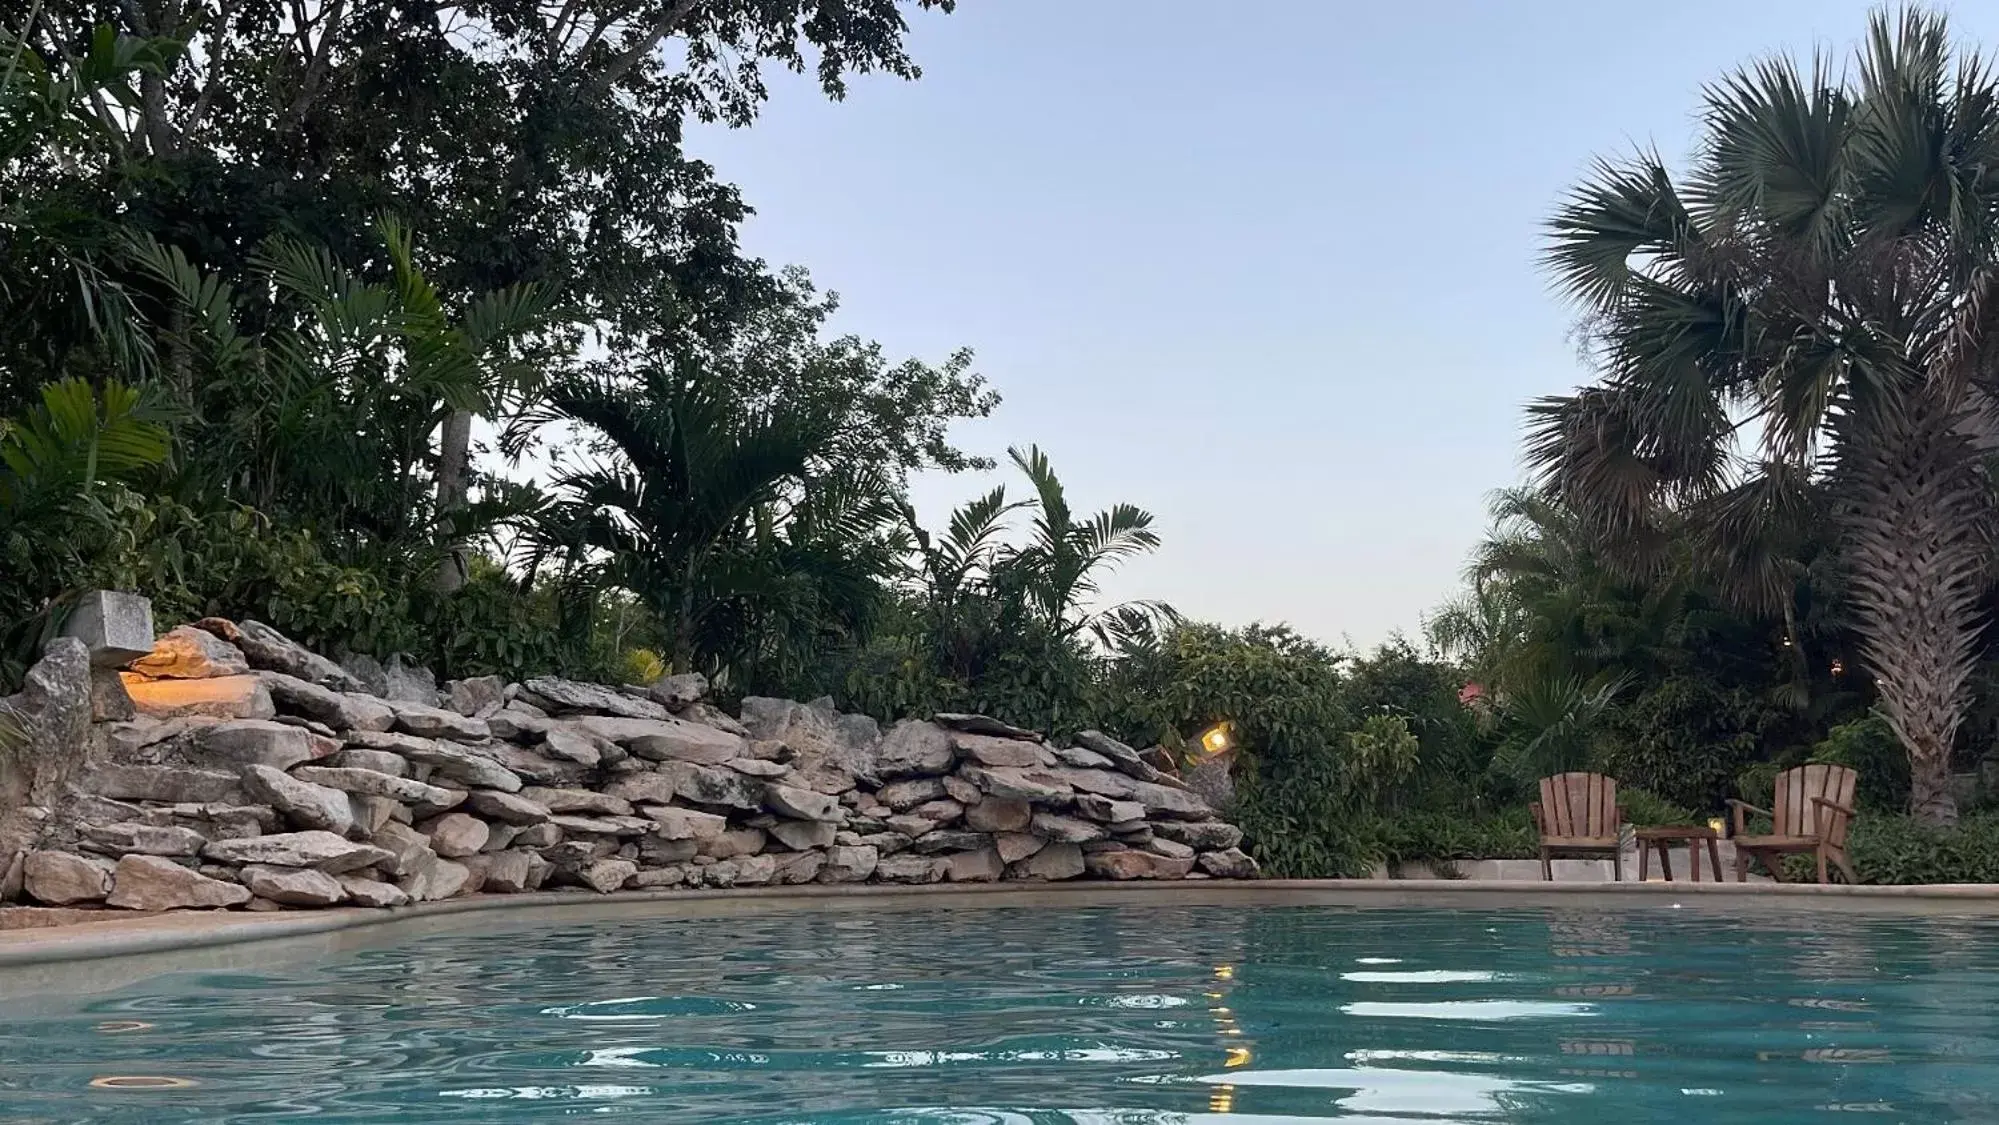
<point x="1265" y="268"/>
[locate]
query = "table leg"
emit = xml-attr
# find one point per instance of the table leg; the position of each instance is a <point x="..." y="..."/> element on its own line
<point x="1694" y="858"/>
<point x="1666" y="859"/>
<point x="1644" y="860"/>
<point x="1714" y="857"/>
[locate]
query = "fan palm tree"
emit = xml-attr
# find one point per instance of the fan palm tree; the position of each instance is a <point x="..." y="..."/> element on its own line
<point x="1815" y="303"/>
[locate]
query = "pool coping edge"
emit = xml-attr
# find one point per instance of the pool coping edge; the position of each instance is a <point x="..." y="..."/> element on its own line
<point x="176" y="931"/>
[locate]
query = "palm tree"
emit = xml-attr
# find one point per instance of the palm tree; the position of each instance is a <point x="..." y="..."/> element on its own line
<point x="671" y="506"/>
<point x="1064" y="556"/>
<point x="1814" y="305"/>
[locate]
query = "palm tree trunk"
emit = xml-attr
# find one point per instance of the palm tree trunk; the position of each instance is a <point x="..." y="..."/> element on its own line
<point x="1913" y="515"/>
<point x="454" y="455"/>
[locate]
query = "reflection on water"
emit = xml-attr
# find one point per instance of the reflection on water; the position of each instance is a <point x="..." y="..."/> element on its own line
<point x="1042" y="1017"/>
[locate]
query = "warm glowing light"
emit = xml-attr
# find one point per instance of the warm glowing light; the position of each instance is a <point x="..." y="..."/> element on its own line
<point x="1216" y="738"/>
<point x="1238" y="1056"/>
<point x="1221" y="1099"/>
<point x="1839" y="667"/>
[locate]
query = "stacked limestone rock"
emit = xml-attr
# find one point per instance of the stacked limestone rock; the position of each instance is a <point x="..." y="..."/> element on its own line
<point x="252" y="772"/>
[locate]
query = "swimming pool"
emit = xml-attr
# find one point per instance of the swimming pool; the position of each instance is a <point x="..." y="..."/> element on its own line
<point x="1008" y="1015"/>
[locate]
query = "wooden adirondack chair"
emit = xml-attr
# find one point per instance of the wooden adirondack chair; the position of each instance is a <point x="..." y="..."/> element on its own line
<point x="1577" y="815"/>
<point x="1814" y="811"/>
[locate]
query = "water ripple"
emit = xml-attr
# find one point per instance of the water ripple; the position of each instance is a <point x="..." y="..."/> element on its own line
<point x="1041" y="1017"/>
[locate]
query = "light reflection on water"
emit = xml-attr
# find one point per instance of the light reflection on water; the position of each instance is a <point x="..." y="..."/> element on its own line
<point x="1043" y="1017"/>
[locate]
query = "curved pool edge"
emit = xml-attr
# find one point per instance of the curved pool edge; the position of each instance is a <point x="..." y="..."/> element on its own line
<point x="175" y="932"/>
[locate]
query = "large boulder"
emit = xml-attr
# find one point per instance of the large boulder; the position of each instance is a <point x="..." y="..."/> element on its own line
<point x="982" y="866"/>
<point x="559" y="696"/>
<point x="188" y="653"/>
<point x="802" y="804"/>
<point x="1016" y="846"/>
<point x="148" y="882"/>
<point x="645" y="787"/>
<point x="712" y="785"/>
<point x="450" y="761"/>
<point x="804" y="835"/>
<point x="577" y="801"/>
<point x="426" y="798"/>
<point x="363" y="891"/>
<point x="685" y="824"/>
<point x="831" y="752"/>
<point x="1210" y="835"/>
<point x="1035" y="786"/>
<point x="998" y="814"/>
<point x="506" y="808"/>
<point x="267" y="648"/>
<point x="1128" y="863"/>
<point x="63" y="879"/>
<point x="914" y="748"/>
<point x="339" y="710"/>
<point x="678" y="693"/>
<point x="224" y="697"/>
<point x="166" y="784"/>
<point x="426" y="721"/>
<point x="303" y="803"/>
<point x="260" y="742"/>
<point x="513" y="871"/>
<point x="985" y="724"/>
<point x="477" y="697"/>
<point x="607" y="875"/>
<point x="293" y="886"/>
<point x="435" y="879"/>
<point x="321" y="850"/>
<point x="908" y="793"/>
<point x="135" y="838"/>
<point x="1066" y="830"/>
<point x="1054" y="862"/>
<point x="406" y="850"/>
<point x="911" y="868"/>
<point x="1229" y="863"/>
<point x="456" y="835"/>
<point x="988" y="750"/>
<point x="52" y="713"/>
<point x="852" y="863"/>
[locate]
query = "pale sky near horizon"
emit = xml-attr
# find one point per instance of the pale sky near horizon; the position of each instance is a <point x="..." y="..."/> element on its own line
<point x="1271" y="277"/>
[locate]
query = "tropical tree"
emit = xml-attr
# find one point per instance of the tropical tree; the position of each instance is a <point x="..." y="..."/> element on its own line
<point x="315" y="396"/>
<point x="61" y="464"/>
<point x="1815" y="303"/>
<point x="1060" y="565"/>
<point x="666" y="508"/>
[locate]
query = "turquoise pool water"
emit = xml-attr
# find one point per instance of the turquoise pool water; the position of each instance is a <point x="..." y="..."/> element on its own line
<point x="1035" y="1017"/>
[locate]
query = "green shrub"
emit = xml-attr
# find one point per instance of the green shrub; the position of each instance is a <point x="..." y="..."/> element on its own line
<point x="1641" y="807"/>
<point x="1896" y="850"/>
<point x="1870" y="747"/>
<point x="1686" y="739"/>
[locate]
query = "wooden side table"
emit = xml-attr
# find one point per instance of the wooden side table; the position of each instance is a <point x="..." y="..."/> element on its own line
<point x="1663" y="837"/>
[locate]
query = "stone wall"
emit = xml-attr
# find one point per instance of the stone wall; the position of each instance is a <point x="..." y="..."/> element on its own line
<point x="232" y="768"/>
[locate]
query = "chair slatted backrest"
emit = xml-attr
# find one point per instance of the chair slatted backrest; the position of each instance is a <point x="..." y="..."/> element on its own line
<point x="1798" y="815"/>
<point x="1579" y="804"/>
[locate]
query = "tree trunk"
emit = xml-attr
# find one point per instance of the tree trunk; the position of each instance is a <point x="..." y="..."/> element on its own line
<point x="1913" y="515"/>
<point x="454" y="457"/>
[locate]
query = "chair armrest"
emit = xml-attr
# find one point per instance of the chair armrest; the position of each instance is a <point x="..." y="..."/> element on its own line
<point x="1741" y="809"/>
<point x="1834" y="806"/>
